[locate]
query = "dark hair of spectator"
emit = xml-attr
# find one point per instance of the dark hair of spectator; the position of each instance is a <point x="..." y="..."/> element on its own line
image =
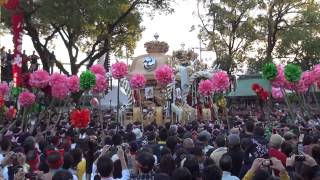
<point x="167" y="164"/>
<point x="67" y="161"/>
<point x="105" y="166"/>
<point x="163" y="134"/>
<point x="226" y="163"/>
<point x="181" y="174"/>
<point x="286" y="148"/>
<point x="261" y="174"/>
<point x="191" y="163"/>
<point x="62" y="175"/>
<point x="212" y="172"/>
<point x="249" y="125"/>
<point x="171" y="143"/>
<point x="220" y="141"/>
<point x="5" y="144"/>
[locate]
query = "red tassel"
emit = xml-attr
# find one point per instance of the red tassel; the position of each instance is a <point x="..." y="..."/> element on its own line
<point x="80" y="119"/>
<point x="256" y="88"/>
<point x="1" y="101"/>
<point x="264" y="95"/>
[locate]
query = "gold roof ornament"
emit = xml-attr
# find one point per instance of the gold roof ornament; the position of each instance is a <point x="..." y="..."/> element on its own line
<point x="156" y="46"/>
<point x="156" y="57"/>
<point x="184" y="57"/>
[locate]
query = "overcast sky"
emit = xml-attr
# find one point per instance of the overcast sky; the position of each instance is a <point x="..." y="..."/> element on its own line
<point x="173" y="28"/>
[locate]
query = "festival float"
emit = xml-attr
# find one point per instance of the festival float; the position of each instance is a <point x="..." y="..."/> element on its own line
<point x="170" y="88"/>
<point x="149" y="82"/>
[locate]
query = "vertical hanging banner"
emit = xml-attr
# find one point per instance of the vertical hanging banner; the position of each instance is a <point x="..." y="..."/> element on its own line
<point x="17" y="31"/>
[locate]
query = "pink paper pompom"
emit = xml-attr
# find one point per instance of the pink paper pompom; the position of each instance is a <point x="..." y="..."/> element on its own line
<point x="57" y="78"/>
<point x="59" y="86"/>
<point x="26" y="99"/>
<point x="119" y="70"/>
<point x="277" y="93"/>
<point x="301" y="87"/>
<point x="206" y="87"/>
<point x="308" y="78"/>
<point x="39" y="79"/>
<point x="98" y="69"/>
<point x="138" y="81"/>
<point x="74" y="84"/>
<point x="60" y="90"/>
<point x="220" y="81"/>
<point x="101" y="84"/>
<point x="280" y="80"/>
<point x="164" y="75"/>
<point x="316" y="72"/>
<point x="4" y="89"/>
<point x="290" y="86"/>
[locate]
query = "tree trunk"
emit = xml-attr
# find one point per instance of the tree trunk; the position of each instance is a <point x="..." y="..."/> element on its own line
<point x="270" y="39"/>
<point x="43" y="52"/>
<point x="107" y="58"/>
<point x="74" y="67"/>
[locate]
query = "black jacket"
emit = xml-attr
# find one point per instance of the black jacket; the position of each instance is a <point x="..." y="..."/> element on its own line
<point x="237" y="155"/>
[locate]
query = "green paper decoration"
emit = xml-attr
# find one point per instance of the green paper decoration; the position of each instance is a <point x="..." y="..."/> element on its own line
<point x="270" y="71"/>
<point x="268" y="133"/>
<point x="292" y="73"/>
<point x="15" y="91"/>
<point x="35" y="107"/>
<point x="87" y="80"/>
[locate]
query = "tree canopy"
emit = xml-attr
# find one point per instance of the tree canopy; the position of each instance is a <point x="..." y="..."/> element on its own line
<point x="96" y="27"/>
<point x="230" y="30"/>
<point x="251" y="33"/>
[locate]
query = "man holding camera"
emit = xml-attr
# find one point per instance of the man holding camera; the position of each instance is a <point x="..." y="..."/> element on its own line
<point x="265" y="167"/>
<point x="12" y="164"/>
<point x="274" y="149"/>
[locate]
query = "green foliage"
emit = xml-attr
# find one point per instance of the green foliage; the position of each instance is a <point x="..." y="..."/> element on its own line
<point x="292" y="73"/>
<point x="253" y="33"/>
<point x="270" y="71"/>
<point x="87" y="80"/>
<point x="15" y="91"/>
<point x="96" y="27"/>
<point x="302" y="40"/>
<point x="229" y="28"/>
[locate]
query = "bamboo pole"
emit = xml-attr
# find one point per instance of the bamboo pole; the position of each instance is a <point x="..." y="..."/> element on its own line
<point x="288" y="104"/>
<point x="118" y="102"/>
<point x="314" y="96"/>
<point x="140" y="106"/>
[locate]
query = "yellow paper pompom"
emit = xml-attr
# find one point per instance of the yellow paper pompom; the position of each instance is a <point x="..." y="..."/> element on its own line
<point x="222" y="102"/>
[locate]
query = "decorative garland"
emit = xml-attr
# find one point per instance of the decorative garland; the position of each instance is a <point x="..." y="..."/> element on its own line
<point x="17" y="32"/>
<point x="199" y="74"/>
<point x="125" y="84"/>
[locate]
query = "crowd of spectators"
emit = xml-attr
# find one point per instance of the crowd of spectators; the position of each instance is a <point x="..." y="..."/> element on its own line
<point x="194" y="151"/>
<point x="29" y="63"/>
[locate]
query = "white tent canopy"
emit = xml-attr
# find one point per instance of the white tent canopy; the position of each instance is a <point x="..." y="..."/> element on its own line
<point x="111" y="98"/>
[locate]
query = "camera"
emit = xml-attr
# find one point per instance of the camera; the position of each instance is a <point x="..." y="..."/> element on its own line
<point x="299" y="158"/>
<point x="16" y="169"/>
<point x="267" y="162"/>
<point x="31" y="176"/>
